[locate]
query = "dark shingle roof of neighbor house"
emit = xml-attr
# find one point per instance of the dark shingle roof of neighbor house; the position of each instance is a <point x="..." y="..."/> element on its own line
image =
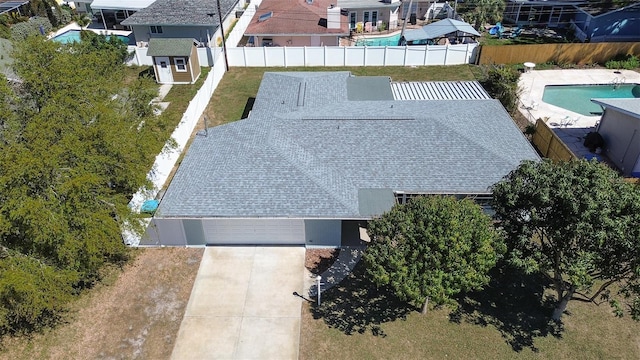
<point x="306" y="151"/>
<point x="170" y="47"/>
<point x="630" y="107"/>
<point x="183" y="12"/>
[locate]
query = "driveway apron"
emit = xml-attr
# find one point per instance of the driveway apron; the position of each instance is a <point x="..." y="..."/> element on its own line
<point x="243" y="306"/>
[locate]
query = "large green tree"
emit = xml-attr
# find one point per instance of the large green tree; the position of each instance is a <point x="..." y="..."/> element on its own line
<point x="432" y="248"/>
<point x="74" y="146"/>
<point x="576" y="223"/>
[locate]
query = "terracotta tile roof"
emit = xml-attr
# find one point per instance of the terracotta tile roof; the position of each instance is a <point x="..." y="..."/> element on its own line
<point x="295" y="17"/>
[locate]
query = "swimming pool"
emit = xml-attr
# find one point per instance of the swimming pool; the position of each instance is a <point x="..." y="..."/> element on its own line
<point x="74" y="36"/>
<point x="577" y="98"/>
<point x="379" y="41"/>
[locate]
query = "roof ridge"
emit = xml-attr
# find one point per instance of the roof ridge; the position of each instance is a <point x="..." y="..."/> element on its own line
<point x="326" y="177"/>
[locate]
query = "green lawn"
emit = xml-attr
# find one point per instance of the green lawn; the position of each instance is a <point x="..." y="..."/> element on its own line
<point x="240" y="84"/>
<point x="508" y="320"/>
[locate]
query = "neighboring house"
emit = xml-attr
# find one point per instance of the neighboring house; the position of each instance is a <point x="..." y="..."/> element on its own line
<point x="599" y="25"/>
<point x="540" y="13"/>
<point x="371" y="15"/>
<point x="197" y="19"/>
<point x="175" y="61"/>
<point x="297" y="23"/>
<point x="111" y="13"/>
<point x="620" y="130"/>
<point x="427" y="9"/>
<point x="591" y="22"/>
<point x="20" y="7"/>
<point x="320" y="151"/>
<point x="449" y="30"/>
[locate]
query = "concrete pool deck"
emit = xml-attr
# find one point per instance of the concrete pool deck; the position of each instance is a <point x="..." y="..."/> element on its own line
<point x="570" y="126"/>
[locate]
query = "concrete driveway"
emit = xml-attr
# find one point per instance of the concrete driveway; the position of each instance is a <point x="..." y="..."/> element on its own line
<point x="242" y="305"/>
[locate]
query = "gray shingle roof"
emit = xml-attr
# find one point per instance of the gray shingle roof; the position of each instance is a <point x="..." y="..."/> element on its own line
<point x="306" y="151"/>
<point x="183" y="12"/>
<point x="627" y="106"/>
<point x="170" y="47"/>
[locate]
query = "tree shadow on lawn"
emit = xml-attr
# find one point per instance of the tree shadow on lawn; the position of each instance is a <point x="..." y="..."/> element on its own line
<point x="358" y="305"/>
<point x="515" y="304"/>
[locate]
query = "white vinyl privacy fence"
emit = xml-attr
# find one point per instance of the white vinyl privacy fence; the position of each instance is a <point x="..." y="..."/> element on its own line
<point x="353" y="56"/>
<point x="331" y="55"/>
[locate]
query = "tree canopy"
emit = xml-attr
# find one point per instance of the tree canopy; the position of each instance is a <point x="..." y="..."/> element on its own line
<point x="432" y="248"/>
<point x="575" y="222"/>
<point x="480" y="12"/>
<point x="73" y="148"/>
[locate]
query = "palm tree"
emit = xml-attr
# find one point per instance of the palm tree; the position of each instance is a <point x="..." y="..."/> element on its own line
<point x="480" y="12"/>
<point x="82" y="20"/>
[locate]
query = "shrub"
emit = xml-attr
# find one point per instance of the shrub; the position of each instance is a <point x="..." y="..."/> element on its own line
<point x="62" y="17"/>
<point x="502" y="83"/>
<point x="629" y="62"/>
<point x="32" y="294"/>
<point x="21" y="31"/>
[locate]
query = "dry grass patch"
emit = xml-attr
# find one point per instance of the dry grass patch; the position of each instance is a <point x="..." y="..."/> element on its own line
<point x="135" y="314"/>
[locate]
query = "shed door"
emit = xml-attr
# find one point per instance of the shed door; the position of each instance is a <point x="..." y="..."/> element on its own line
<point x="163" y="70"/>
<point x="254" y="231"/>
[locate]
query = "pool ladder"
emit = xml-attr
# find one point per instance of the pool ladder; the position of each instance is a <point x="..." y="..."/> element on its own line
<point x="617" y="81"/>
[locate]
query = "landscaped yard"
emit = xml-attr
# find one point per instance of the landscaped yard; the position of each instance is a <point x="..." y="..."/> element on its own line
<point x="508" y="320"/>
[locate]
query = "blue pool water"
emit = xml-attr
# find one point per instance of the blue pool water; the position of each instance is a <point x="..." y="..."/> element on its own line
<point x="74" y="36"/>
<point x="577" y="98"/>
<point x="380" y="41"/>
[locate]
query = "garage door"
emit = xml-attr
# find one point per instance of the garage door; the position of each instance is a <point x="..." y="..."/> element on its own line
<point x="254" y="231"/>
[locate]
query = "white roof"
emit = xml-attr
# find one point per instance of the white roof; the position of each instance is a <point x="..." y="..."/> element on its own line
<point x="439" y="90"/>
<point x="120" y="4"/>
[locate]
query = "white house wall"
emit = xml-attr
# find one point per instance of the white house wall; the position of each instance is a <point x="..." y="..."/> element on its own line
<point x="323" y="232"/>
<point x="167" y="232"/>
<point x="621" y="134"/>
<point x="199" y="33"/>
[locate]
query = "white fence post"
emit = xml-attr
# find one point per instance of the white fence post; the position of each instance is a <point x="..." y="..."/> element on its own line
<point x="366" y="50"/>
<point x="404" y="61"/>
<point x="324" y="56"/>
<point x="446" y="53"/>
<point x="384" y="56"/>
<point x="264" y="51"/>
<point x="426" y="54"/>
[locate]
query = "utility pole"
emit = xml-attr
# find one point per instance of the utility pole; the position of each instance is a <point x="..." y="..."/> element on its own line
<point x="404" y="23"/>
<point x="224" y="42"/>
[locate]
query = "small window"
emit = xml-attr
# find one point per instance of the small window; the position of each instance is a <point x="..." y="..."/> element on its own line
<point x="181" y="64"/>
<point x="155" y="29"/>
<point x="163" y="64"/>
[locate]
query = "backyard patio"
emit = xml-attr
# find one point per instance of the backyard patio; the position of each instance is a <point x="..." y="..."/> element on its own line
<point x="570" y="126"/>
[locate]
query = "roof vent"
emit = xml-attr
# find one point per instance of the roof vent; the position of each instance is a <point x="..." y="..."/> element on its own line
<point x="309" y="2"/>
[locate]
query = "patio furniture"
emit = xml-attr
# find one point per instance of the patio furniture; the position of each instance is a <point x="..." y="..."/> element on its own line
<point x="528" y="66"/>
<point x="567" y="121"/>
